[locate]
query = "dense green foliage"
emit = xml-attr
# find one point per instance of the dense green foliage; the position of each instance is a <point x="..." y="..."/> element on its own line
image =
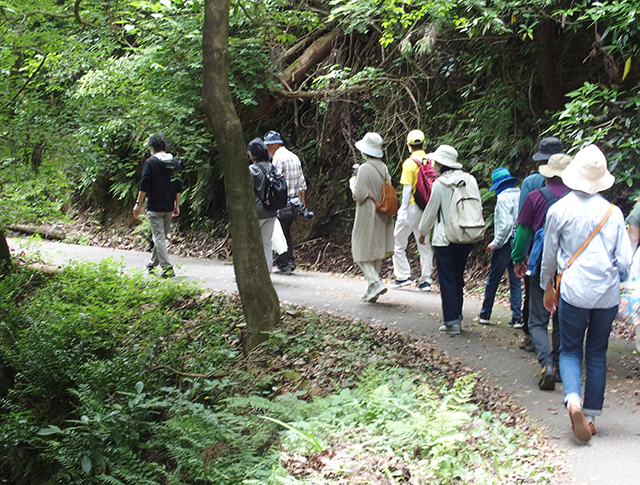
<point x="109" y="377"/>
<point x="84" y="91"/>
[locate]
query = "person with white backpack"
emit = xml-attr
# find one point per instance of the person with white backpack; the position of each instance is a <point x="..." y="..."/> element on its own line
<point x="454" y="214"/>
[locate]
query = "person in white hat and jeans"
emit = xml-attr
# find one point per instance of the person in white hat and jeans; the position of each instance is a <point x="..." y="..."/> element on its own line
<point x="372" y="236"/>
<point x="590" y="286"/>
<point x="408" y="218"/>
<point x="451" y="258"/>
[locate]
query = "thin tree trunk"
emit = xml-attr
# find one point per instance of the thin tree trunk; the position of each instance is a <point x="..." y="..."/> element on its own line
<point x="259" y="299"/>
<point x="548" y="72"/>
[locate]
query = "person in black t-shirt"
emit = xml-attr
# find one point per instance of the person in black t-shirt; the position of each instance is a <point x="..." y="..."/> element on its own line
<point x="161" y="184"/>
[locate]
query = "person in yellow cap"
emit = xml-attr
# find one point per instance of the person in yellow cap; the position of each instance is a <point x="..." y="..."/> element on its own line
<point x="409" y="215"/>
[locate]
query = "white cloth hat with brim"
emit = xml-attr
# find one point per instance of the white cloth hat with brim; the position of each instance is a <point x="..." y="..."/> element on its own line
<point x="371" y="144"/>
<point x="588" y="172"/>
<point x="555" y="165"/>
<point x="445" y="155"/>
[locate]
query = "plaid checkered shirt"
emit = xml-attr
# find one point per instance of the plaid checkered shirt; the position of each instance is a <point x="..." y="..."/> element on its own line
<point x="288" y="163"/>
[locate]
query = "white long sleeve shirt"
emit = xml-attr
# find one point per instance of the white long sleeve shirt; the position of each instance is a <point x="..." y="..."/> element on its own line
<point x="593" y="280"/>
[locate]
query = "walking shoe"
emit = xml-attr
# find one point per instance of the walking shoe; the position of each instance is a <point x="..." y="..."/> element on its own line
<point x="578" y="423"/>
<point x="516" y="323"/>
<point x="556" y="369"/>
<point x="400" y="283"/>
<point x="168" y="272"/>
<point x="364" y="296"/>
<point x="425" y="286"/>
<point x="150" y="268"/>
<point x="483" y="320"/>
<point x="592" y="427"/>
<point x="287" y="270"/>
<point x="450" y="329"/>
<point x="526" y="344"/>
<point x="547" y="380"/>
<point x="377" y="290"/>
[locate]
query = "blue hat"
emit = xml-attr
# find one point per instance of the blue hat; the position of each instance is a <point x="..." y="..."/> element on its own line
<point x="272" y="137"/>
<point x="499" y="176"/>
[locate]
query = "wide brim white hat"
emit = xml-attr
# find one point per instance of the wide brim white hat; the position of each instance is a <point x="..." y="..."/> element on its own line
<point x="556" y="164"/>
<point x="588" y="171"/>
<point x="371" y="144"/>
<point x="445" y="155"/>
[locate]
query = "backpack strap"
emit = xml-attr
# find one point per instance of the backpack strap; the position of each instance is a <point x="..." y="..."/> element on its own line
<point x="419" y="163"/>
<point x="550" y="197"/>
<point x="380" y="173"/>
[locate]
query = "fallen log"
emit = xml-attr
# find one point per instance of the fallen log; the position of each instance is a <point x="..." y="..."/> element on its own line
<point x="41" y="231"/>
<point x="44" y="268"/>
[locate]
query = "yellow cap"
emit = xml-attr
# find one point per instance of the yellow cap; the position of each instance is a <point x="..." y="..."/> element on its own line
<point x="415" y="137"/>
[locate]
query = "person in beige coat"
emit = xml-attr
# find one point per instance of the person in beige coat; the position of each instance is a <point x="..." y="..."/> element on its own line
<point x="372" y="236"/>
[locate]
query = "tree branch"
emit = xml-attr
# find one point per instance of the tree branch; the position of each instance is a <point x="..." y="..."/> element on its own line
<point x="76" y="13"/>
<point x="12" y="100"/>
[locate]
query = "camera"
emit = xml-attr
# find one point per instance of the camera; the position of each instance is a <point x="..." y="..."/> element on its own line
<point x="306" y="214"/>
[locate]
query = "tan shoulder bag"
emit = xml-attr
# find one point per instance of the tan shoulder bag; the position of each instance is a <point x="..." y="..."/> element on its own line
<point x="388" y="203"/>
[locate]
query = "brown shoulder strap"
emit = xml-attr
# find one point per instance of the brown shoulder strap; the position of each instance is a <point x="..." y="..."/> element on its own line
<point x="383" y="176"/>
<point x="591" y="236"/>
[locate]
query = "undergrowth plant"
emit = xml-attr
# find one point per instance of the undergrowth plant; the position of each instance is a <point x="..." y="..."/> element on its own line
<point x="395" y="425"/>
<point x="114" y="377"/>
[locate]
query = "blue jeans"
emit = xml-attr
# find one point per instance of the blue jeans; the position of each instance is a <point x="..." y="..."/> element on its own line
<point x="501" y="260"/>
<point x="574" y="322"/>
<point x="451" y="261"/>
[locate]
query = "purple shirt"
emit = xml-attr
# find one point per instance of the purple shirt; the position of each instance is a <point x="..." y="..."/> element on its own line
<point x="534" y="209"/>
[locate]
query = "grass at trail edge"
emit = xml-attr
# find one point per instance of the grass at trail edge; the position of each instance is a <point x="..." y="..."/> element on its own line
<point x="112" y="377"/>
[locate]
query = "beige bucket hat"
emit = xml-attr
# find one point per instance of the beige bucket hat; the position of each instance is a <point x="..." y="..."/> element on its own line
<point x="555" y="165"/>
<point x="588" y="172"/>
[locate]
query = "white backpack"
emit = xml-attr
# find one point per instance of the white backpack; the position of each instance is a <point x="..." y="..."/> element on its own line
<point x="464" y="223"/>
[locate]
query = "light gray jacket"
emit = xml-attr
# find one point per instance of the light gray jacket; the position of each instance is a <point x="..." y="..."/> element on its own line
<point x="505" y="216"/>
<point x="437" y="210"/>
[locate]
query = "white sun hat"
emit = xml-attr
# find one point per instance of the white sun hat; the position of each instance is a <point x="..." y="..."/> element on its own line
<point x="371" y="144"/>
<point x="445" y="155"/>
<point x="588" y="172"/>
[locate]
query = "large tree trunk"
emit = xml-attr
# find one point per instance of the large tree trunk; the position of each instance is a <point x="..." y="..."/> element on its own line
<point x="259" y="299"/>
<point x="5" y="254"/>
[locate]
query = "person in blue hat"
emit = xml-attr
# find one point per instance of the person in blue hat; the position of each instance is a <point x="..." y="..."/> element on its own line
<point x="505" y="220"/>
<point x="287" y="163"/>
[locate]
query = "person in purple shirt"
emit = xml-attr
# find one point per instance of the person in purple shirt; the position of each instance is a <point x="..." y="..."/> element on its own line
<point x="547" y="147"/>
<point x="530" y="220"/>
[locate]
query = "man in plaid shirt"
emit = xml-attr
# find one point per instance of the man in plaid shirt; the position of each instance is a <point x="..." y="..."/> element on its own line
<point x="288" y="163"/>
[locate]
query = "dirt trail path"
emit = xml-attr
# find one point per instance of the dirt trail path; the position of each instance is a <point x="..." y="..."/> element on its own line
<point x="613" y="455"/>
